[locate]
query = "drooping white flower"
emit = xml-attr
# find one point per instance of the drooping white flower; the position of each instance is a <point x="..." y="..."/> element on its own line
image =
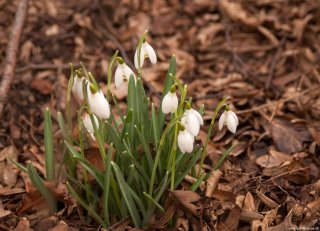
<point x="146" y="51"/>
<point x="77" y="89"/>
<point x="169" y="102"/>
<point x="192" y="121"/>
<point x="123" y="71"/>
<point x="88" y="124"/>
<point x="230" y="119"/>
<point x="98" y="103"/>
<point x="185" y="141"/>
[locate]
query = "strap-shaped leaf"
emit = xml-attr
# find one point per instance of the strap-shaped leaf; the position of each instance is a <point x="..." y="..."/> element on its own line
<point x="125" y="191"/>
<point x="48" y="145"/>
<point x="38" y="183"/>
<point x="167" y="84"/>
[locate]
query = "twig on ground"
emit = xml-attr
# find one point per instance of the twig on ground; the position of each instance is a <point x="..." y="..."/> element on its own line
<point x="11" y="54"/>
<point x="307" y="91"/>
<point x="44" y="66"/>
<point x="274" y="62"/>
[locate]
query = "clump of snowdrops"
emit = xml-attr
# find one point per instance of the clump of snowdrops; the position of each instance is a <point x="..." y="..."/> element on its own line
<point x="145" y="152"/>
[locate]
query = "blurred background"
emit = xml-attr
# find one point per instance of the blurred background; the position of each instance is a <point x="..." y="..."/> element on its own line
<point x="263" y="54"/>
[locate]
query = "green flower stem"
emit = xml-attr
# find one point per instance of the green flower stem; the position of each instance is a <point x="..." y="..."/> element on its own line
<point x="154" y="169"/>
<point x="174" y="154"/>
<point x="203" y="155"/>
<point x="68" y="106"/>
<point x="85" y="173"/>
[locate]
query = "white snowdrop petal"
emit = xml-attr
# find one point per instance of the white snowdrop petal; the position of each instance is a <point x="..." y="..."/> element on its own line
<point x="127" y="71"/>
<point x="169" y="103"/>
<point x="185" y="141"/>
<point x="98" y="104"/>
<point x="77" y="88"/>
<point x="174" y="103"/>
<point x="166" y="106"/>
<point x="231" y="123"/>
<point x="136" y="64"/>
<point x="118" y="77"/>
<point x="181" y="142"/>
<point x="88" y="123"/>
<point x="151" y="53"/>
<point x="142" y="56"/>
<point x="234" y="116"/>
<point x="193" y="125"/>
<point x="222" y="120"/>
<point x="197" y="114"/>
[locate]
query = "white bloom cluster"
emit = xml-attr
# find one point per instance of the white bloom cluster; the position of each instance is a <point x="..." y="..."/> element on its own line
<point x="97" y="103"/>
<point x="189" y="126"/>
<point x="190" y="122"/>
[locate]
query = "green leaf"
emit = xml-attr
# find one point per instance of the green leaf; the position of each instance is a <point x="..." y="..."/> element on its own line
<point x="196" y="184"/>
<point x="153" y="201"/>
<point x="48" y="145"/>
<point x="106" y="188"/>
<point x="136" y="163"/>
<point x="223" y="157"/>
<point x="127" y="195"/>
<point x="90" y="210"/>
<point x="167" y="84"/>
<point x="118" y="108"/>
<point x="155" y="126"/>
<point x="114" y="138"/>
<point x="186" y="168"/>
<point x="18" y="165"/>
<point x="38" y="183"/>
<point x="62" y="125"/>
<point x="145" y="147"/>
<point x="87" y="165"/>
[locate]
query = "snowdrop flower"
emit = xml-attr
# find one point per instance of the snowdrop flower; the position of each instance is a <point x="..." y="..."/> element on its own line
<point x="97" y="102"/>
<point x="230" y="119"/>
<point x="123" y="71"/>
<point x="77" y="86"/>
<point x="170" y="101"/>
<point x="88" y="124"/>
<point x="192" y="120"/>
<point x="185" y="141"/>
<point x="146" y="51"/>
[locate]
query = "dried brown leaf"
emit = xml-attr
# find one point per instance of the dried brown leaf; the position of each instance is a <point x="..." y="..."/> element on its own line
<point x="236" y="12"/>
<point x="286" y="137"/>
<point x="186" y="199"/>
<point x="62" y="226"/>
<point x="44" y="86"/>
<point x="267" y="161"/>
<point x="212" y="182"/>
<point x="266" y="200"/>
<point x="250" y="216"/>
<point x="23" y="225"/>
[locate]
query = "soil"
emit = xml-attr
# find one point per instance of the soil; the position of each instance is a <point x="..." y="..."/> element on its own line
<point x="263" y="54"/>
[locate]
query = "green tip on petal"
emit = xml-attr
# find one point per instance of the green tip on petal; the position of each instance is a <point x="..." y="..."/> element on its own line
<point x="79" y="72"/>
<point x="93" y="89"/>
<point x="173" y="89"/>
<point x="181" y="127"/>
<point x="121" y="61"/>
<point x="188" y="105"/>
<point x="227" y="107"/>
